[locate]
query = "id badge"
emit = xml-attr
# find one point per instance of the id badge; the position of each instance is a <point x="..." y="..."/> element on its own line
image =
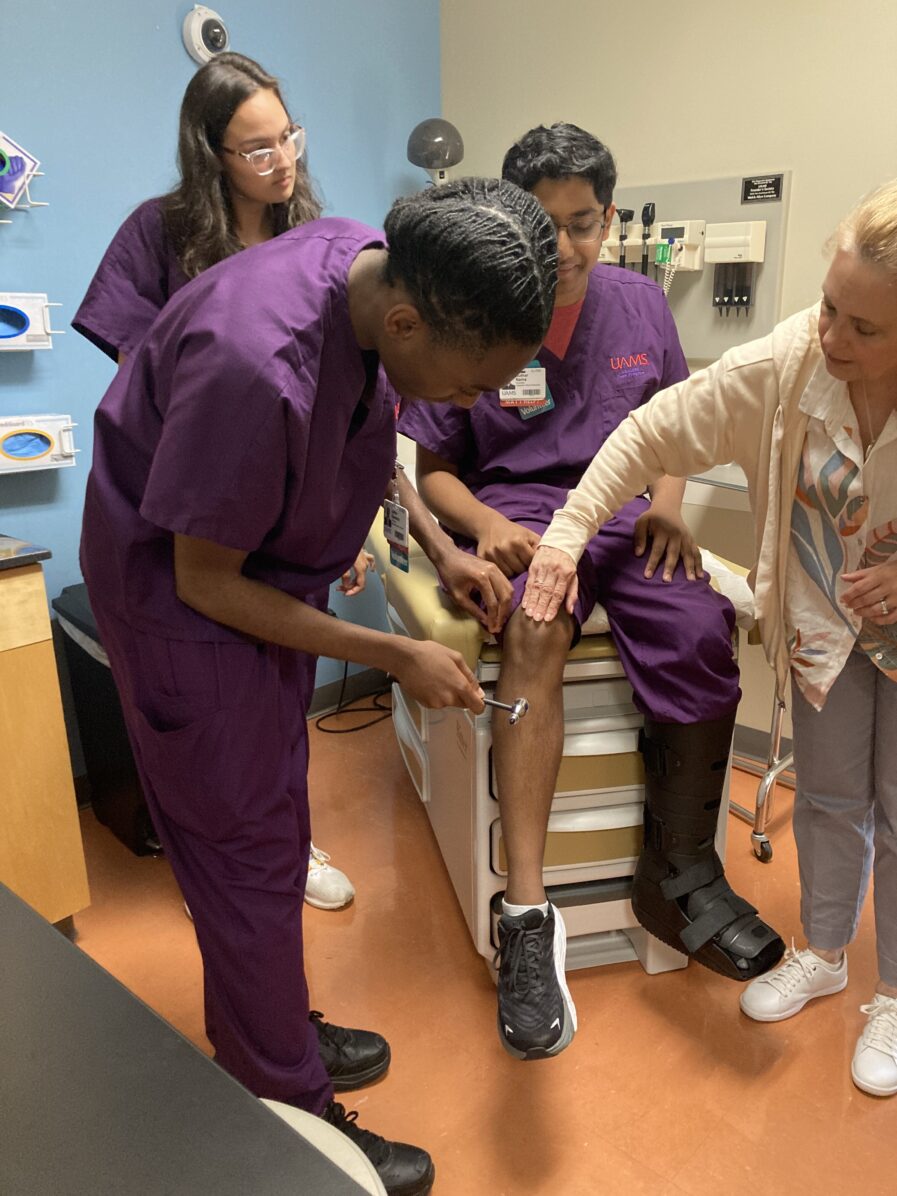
<point x="395" y="529"/>
<point x="532" y="409"/>
<point x="528" y="389"/>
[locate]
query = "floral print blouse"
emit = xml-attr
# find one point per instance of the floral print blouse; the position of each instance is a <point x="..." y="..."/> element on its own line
<point x="843" y="518"/>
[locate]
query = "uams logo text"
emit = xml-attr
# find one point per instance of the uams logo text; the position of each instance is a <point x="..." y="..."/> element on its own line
<point x="627" y="363"/>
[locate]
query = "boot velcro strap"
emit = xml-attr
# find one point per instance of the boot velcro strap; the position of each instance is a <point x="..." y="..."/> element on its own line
<point x="689" y="838"/>
<point x="660" y="760"/>
<point x="724" y="910"/>
<point x="695" y="877"/>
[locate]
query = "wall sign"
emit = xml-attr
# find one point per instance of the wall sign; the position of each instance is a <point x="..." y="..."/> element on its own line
<point x="762" y="188"/>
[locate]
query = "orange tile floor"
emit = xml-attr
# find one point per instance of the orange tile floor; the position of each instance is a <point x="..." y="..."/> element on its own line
<point x="666" y="1088"/>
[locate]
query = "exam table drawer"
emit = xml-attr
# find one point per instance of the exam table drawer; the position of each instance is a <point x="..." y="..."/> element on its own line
<point x="608" y="839"/>
<point x="601" y="764"/>
<point x="410" y="744"/>
<point x="593" y="907"/>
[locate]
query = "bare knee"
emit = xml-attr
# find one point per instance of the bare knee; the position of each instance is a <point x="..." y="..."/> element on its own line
<point x="537" y="646"/>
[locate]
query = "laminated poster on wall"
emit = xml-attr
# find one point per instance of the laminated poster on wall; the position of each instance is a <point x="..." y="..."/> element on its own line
<point x="17" y="169"/>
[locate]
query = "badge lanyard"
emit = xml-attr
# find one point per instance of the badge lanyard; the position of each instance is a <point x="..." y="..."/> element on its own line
<point x="528" y="392"/>
<point x="395" y="524"/>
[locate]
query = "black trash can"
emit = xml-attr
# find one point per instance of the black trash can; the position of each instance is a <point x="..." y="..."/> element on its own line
<point x="116" y="794"/>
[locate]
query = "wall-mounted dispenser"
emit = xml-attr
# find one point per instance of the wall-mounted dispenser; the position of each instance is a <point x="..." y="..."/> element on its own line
<point x="31" y="442"/>
<point x="735" y="248"/>
<point x="17" y="168"/>
<point x="742" y="241"/>
<point x="25" y="322"/>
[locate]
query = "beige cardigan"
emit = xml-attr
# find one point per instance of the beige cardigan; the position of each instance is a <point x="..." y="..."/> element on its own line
<point x="742" y="409"/>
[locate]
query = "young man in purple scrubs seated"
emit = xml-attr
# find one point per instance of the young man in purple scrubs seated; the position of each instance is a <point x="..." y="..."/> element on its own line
<point x="240" y="457"/>
<point x="494" y="476"/>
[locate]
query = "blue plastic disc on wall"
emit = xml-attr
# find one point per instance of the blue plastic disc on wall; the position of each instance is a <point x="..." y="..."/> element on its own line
<point x="26" y="446"/>
<point x="13" y="321"/>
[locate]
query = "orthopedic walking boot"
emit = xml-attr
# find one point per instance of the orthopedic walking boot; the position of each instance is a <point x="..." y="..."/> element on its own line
<point x="680" y="893"/>
<point x="404" y="1170"/>
<point x="352" y="1058"/>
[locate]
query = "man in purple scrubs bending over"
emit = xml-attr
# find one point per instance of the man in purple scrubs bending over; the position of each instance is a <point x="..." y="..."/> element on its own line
<point x="494" y="476"/>
<point x="240" y="457"/>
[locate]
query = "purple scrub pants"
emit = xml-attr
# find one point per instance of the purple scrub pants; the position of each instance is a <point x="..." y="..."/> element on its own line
<point x="674" y="638"/>
<point x="221" y="746"/>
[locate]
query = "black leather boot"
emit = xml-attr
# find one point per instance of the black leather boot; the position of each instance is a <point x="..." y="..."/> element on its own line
<point x="680" y="893"/>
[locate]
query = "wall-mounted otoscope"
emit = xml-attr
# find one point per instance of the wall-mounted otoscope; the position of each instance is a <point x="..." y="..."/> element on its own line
<point x="625" y="214"/>
<point x="647" y="223"/>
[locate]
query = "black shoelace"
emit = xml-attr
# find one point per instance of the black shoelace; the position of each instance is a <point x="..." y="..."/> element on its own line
<point x="375" y="1147"/>
<point x="524" y="962"/>
<point x="337" y="1036"/>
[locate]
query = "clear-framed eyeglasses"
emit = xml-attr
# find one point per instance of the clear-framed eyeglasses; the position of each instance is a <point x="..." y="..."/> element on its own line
<point x="585" y="229"/>
<point x="264" y="161"/>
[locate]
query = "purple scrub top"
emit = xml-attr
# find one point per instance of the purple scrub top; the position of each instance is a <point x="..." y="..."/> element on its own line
<point x="624" y="348"/>
<point x="137" y="276"/>
<point x="240" y="420"/>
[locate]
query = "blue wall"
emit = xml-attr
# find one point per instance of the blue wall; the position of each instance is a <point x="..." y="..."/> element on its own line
<point x="93" y="91"/>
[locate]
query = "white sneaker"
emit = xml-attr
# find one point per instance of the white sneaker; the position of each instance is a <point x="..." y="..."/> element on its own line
<point x="326" y="888"/>
<point x="783" y="992"/>
<point x="874" y="1066"/>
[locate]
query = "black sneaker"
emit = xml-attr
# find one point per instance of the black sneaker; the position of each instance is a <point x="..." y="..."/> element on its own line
<point x="404" y="1170"/>
<point x="536" y="1014"/>
<point x="353" y="1058"/>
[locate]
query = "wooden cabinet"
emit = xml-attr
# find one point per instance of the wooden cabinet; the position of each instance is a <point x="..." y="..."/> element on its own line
<point x="41" y="854"/>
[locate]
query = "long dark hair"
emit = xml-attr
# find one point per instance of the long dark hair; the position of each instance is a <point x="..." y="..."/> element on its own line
<point x="478" y="258"/>
<point x="198" y="213"/>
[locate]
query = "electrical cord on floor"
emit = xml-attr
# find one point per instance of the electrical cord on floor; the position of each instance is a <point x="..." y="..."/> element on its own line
<point x="385" y="712"/>
<point x="351" y="708"/>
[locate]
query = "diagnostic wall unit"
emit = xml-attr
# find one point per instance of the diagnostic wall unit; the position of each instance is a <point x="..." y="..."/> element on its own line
<point x="704" y="332"/>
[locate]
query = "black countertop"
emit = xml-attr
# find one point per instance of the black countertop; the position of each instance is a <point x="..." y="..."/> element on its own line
<point x="15" y="553"/>
<point x="99" y="1096"/>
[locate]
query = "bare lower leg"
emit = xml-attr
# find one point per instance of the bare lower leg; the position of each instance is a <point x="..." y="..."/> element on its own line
<point x="834" y="957"/>
<point x="527" y="756"/>
<point x="830" y="956"/>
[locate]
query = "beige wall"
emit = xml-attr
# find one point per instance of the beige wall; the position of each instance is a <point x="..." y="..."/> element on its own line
<point x="728" y="89"/>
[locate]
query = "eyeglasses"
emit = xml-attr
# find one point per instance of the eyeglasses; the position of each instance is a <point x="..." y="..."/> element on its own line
<point x="584" y="230"/>
<point x="263" y="161"/>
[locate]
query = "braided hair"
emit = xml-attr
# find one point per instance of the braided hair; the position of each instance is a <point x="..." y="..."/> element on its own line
<point x="198" y="213"/>
<point x="478" y="258"/>
<point x="561" y="152"/>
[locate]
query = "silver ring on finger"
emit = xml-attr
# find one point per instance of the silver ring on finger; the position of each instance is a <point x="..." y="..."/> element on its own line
<point x="884" y="607"/>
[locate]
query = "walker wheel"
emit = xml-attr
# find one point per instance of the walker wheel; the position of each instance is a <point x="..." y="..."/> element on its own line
<point x="763" y="852"/>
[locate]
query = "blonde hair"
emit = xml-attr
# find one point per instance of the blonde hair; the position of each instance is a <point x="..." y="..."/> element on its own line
<point x="870" y="230"/>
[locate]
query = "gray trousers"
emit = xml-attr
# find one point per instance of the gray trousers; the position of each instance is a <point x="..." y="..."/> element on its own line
<point x="845" y="809"/>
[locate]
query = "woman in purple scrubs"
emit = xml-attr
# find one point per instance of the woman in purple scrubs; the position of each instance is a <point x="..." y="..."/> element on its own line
<point x="243" y="181"/>
<point x="240" y="457"/>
